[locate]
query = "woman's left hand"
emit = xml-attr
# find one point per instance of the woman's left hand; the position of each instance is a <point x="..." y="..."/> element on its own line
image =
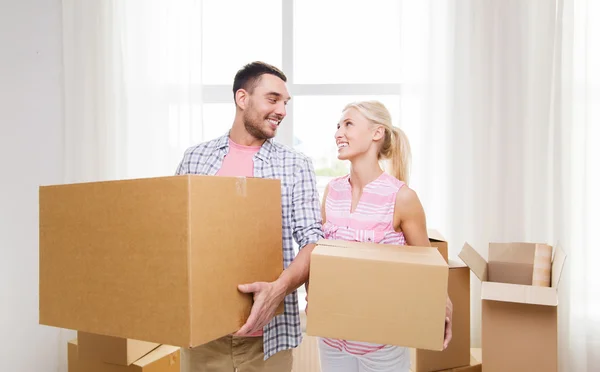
<point x="448" y="330"/>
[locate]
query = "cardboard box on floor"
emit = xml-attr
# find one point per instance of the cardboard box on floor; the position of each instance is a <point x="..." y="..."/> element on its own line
<point x="458" y="352"/>
<point x="475" y="364"/>
<point x="438" y="241"/>
<point x="165" y="358"/>
<point x="519" y="327"/>
<point x="378" y="293"/>
<point x="157" y="259"/>
<point x="109" y="349"/>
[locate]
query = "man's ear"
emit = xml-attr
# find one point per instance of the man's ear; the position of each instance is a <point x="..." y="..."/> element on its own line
<point x="241" y="98"/>
<point x="379" y="133"/>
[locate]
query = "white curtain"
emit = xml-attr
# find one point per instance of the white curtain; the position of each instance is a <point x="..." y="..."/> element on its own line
<point x="507" y="146"/>
<point x="578" y="202"/>
<point x="132" y="72"/>
<point x="521" y="138"/>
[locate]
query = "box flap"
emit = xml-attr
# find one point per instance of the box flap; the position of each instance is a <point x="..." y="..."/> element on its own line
<point x="435" y="235"/>
<point x="523" y="294"/>
<point x="557" y="266"/>
<point x="476" y="263"/>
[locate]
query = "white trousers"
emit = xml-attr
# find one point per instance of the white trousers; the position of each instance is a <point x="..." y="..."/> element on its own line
<point x="388" y="359"/>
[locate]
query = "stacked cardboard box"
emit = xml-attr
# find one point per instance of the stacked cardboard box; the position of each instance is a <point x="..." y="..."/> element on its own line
<point x="113" y="350"/>
<point x="519" y="312"/>
<point x="458" y="352"/>
<point x="162" y="358"/>
<point x="474" y="365"/>
<point x="157" y="260"/>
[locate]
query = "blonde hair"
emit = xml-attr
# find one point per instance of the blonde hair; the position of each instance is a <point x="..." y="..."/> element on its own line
<point x="395" y="147"/>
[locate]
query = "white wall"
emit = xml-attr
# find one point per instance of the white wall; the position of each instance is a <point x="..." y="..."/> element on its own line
<point x="31" y="139"/>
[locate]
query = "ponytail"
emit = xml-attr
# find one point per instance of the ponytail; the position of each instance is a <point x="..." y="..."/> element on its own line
<point x="399" y="155"/>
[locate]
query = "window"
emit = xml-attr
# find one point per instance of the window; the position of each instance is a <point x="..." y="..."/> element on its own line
<point x="325" y="55"/>
<point x="333" y="52"/>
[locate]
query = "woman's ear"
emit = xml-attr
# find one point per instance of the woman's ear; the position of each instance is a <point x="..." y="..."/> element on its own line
<point x="379" y="133"/>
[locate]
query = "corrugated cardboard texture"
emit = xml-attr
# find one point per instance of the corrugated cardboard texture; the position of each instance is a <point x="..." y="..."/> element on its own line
<point x="542" y="265"/>
<point x="110" y="349"/>
<point x="519" y="338"/>
<point x="458" y="352"/>
<point x="157" y="259"/>
<point x="438" y="241"/>
<point x="474" y="364"/>
<point x="378" y="293"/>
<point x="162" y="359"/>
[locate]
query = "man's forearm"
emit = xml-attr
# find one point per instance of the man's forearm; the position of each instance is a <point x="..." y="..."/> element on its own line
<point x="297" y="273"/>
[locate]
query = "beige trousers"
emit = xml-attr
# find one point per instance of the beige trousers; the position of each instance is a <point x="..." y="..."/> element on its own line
<point x="234" y="354"/>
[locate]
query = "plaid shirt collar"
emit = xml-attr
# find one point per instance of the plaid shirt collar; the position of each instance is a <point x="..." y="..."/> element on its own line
<point x="264" y="154"/>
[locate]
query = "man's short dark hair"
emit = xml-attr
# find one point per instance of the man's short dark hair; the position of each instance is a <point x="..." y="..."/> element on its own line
<point x="248" y="76"/>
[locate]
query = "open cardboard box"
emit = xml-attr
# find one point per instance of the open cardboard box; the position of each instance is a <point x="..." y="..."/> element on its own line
<point x="519" y="322"/>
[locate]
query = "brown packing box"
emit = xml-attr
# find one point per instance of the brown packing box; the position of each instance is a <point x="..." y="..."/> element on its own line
<point x="475" y="364"/>
<point x="519" y="323"/>
<point x="438" y="241"/>
<point x="378" y="293"/>
<point x="458" y="352"/>
<point x="115" y="350"/>
<point x="157" y="259"/>
<point x="162" y="359"/>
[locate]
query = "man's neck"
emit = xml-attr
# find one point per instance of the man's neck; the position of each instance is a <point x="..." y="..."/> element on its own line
<point x="240" y="135"/>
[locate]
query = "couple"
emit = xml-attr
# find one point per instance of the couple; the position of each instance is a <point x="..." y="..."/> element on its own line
<point x="364" y="136"/>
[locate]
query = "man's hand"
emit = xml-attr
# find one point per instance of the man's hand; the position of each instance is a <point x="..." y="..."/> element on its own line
<point x="267" y="297"/>
<point x="448" y="330"/>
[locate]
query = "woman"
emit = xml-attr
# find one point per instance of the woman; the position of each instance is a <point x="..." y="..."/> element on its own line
<point x="372" y="205"/>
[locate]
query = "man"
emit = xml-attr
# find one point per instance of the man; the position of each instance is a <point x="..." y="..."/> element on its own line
<point x="264" y="343"/>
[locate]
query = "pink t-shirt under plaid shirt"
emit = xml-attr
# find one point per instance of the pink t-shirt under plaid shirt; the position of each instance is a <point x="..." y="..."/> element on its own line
<point x="239" y="162"/>
<point x="371" y="221"/>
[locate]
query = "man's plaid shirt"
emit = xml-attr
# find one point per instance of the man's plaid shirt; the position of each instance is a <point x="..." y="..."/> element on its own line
<point x="301" y="215"/>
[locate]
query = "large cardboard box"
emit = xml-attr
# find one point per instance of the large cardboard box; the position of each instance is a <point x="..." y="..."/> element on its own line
<point x="438" y="241"/>
<point x="475" y="364"/>
<point x="109" y="349"/>
<point x="165" y="358"/>
<point x="157" y="259"/>
<point x="519" y="323"/>
<point x="458" y="352"/>
<point x="378" y="293"/>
